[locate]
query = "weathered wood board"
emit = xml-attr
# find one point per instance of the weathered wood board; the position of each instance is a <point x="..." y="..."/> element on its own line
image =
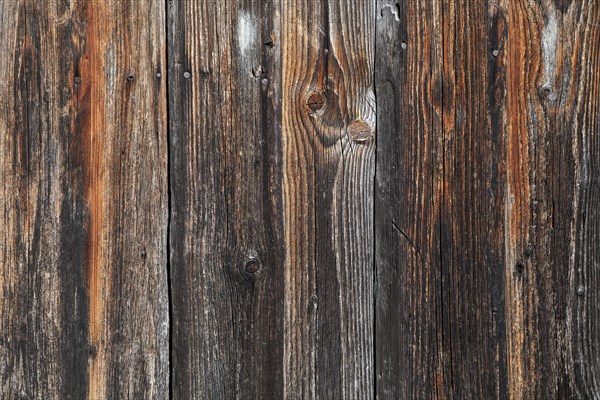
<point x="84" y="201"/>
<point x="315" y="199"/>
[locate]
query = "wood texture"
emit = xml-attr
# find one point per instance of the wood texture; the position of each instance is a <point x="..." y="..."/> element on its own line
<point x="316" y="199"/>
<point x="226" y="229"/>
<point x="551" y="115"/>
<point x="411" y="355"/>
<point x="328" y="155"/>
<point x="271" y="231"/>
<point x="487" y="117"/>
<point x="84" y="307"/>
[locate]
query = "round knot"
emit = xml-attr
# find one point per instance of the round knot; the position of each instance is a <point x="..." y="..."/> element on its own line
<point x="316" y="102"/>
<point x="252" y="266"/>
<point x="360" y="132"/>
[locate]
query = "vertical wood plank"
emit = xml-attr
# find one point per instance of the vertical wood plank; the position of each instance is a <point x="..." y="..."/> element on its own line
<point x="552" y="116"/>
<point x="412" y="355"/>
<point x="472" y="218"/>
<point x="84" y="307"/>
<point x="328" y="122"/>
<point x="226" y="241"/>
<point x="440" y="269"/>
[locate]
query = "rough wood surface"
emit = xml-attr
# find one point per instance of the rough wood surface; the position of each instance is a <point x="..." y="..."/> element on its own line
<point x="551" y="115"/>
<point x="328" y="155"/>
<point x="226" y="229"/>
<point x="84" y="307"/>
<point x="413" y="230"/>
<point x="321" y="199"/>
<point x="486" y="226"/>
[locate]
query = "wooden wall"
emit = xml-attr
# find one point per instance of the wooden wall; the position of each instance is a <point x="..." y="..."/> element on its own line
<point x="317" y="199"/>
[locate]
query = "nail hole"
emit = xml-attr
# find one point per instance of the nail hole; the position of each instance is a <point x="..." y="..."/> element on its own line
<point x="130" y="78"/>
<point x="520" y="268"/>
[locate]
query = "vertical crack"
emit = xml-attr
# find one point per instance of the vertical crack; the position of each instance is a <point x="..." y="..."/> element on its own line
<point x="169" y="205"/>
<point x="374" y="248"/>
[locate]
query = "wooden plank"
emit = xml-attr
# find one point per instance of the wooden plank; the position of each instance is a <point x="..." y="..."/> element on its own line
<point x="472" y="213"/>
<point x="328" y="153"/>
<point x="439" y="175"/>
<point x="227" y="255"/>
<point x="412" y="356"/>
<point x="84" y="310"/>
<point x="552" y="116"/>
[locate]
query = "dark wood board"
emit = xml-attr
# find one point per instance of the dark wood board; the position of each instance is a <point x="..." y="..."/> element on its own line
<point x="299" y="199"/>
<point x="226" y="232"/>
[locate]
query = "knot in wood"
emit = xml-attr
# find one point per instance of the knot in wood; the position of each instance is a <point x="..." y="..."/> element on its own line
<point x="360" y="132"/>
<point x="316" y="102"/>
<point x="252" y="266"/>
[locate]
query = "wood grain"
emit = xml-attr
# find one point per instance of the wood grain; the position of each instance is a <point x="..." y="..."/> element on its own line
<point x="328" y="156"/>
<point x="84" y="309"/>
<point x="551" y="117"/>
<point x="300" y="199"/>
<point x="412" y="354"/>
<point x="511" y="85"/>
<point x="226" y="204"/>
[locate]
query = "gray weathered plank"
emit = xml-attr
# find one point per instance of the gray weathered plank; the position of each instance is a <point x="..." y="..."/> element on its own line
<point x="226" y="206"/>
